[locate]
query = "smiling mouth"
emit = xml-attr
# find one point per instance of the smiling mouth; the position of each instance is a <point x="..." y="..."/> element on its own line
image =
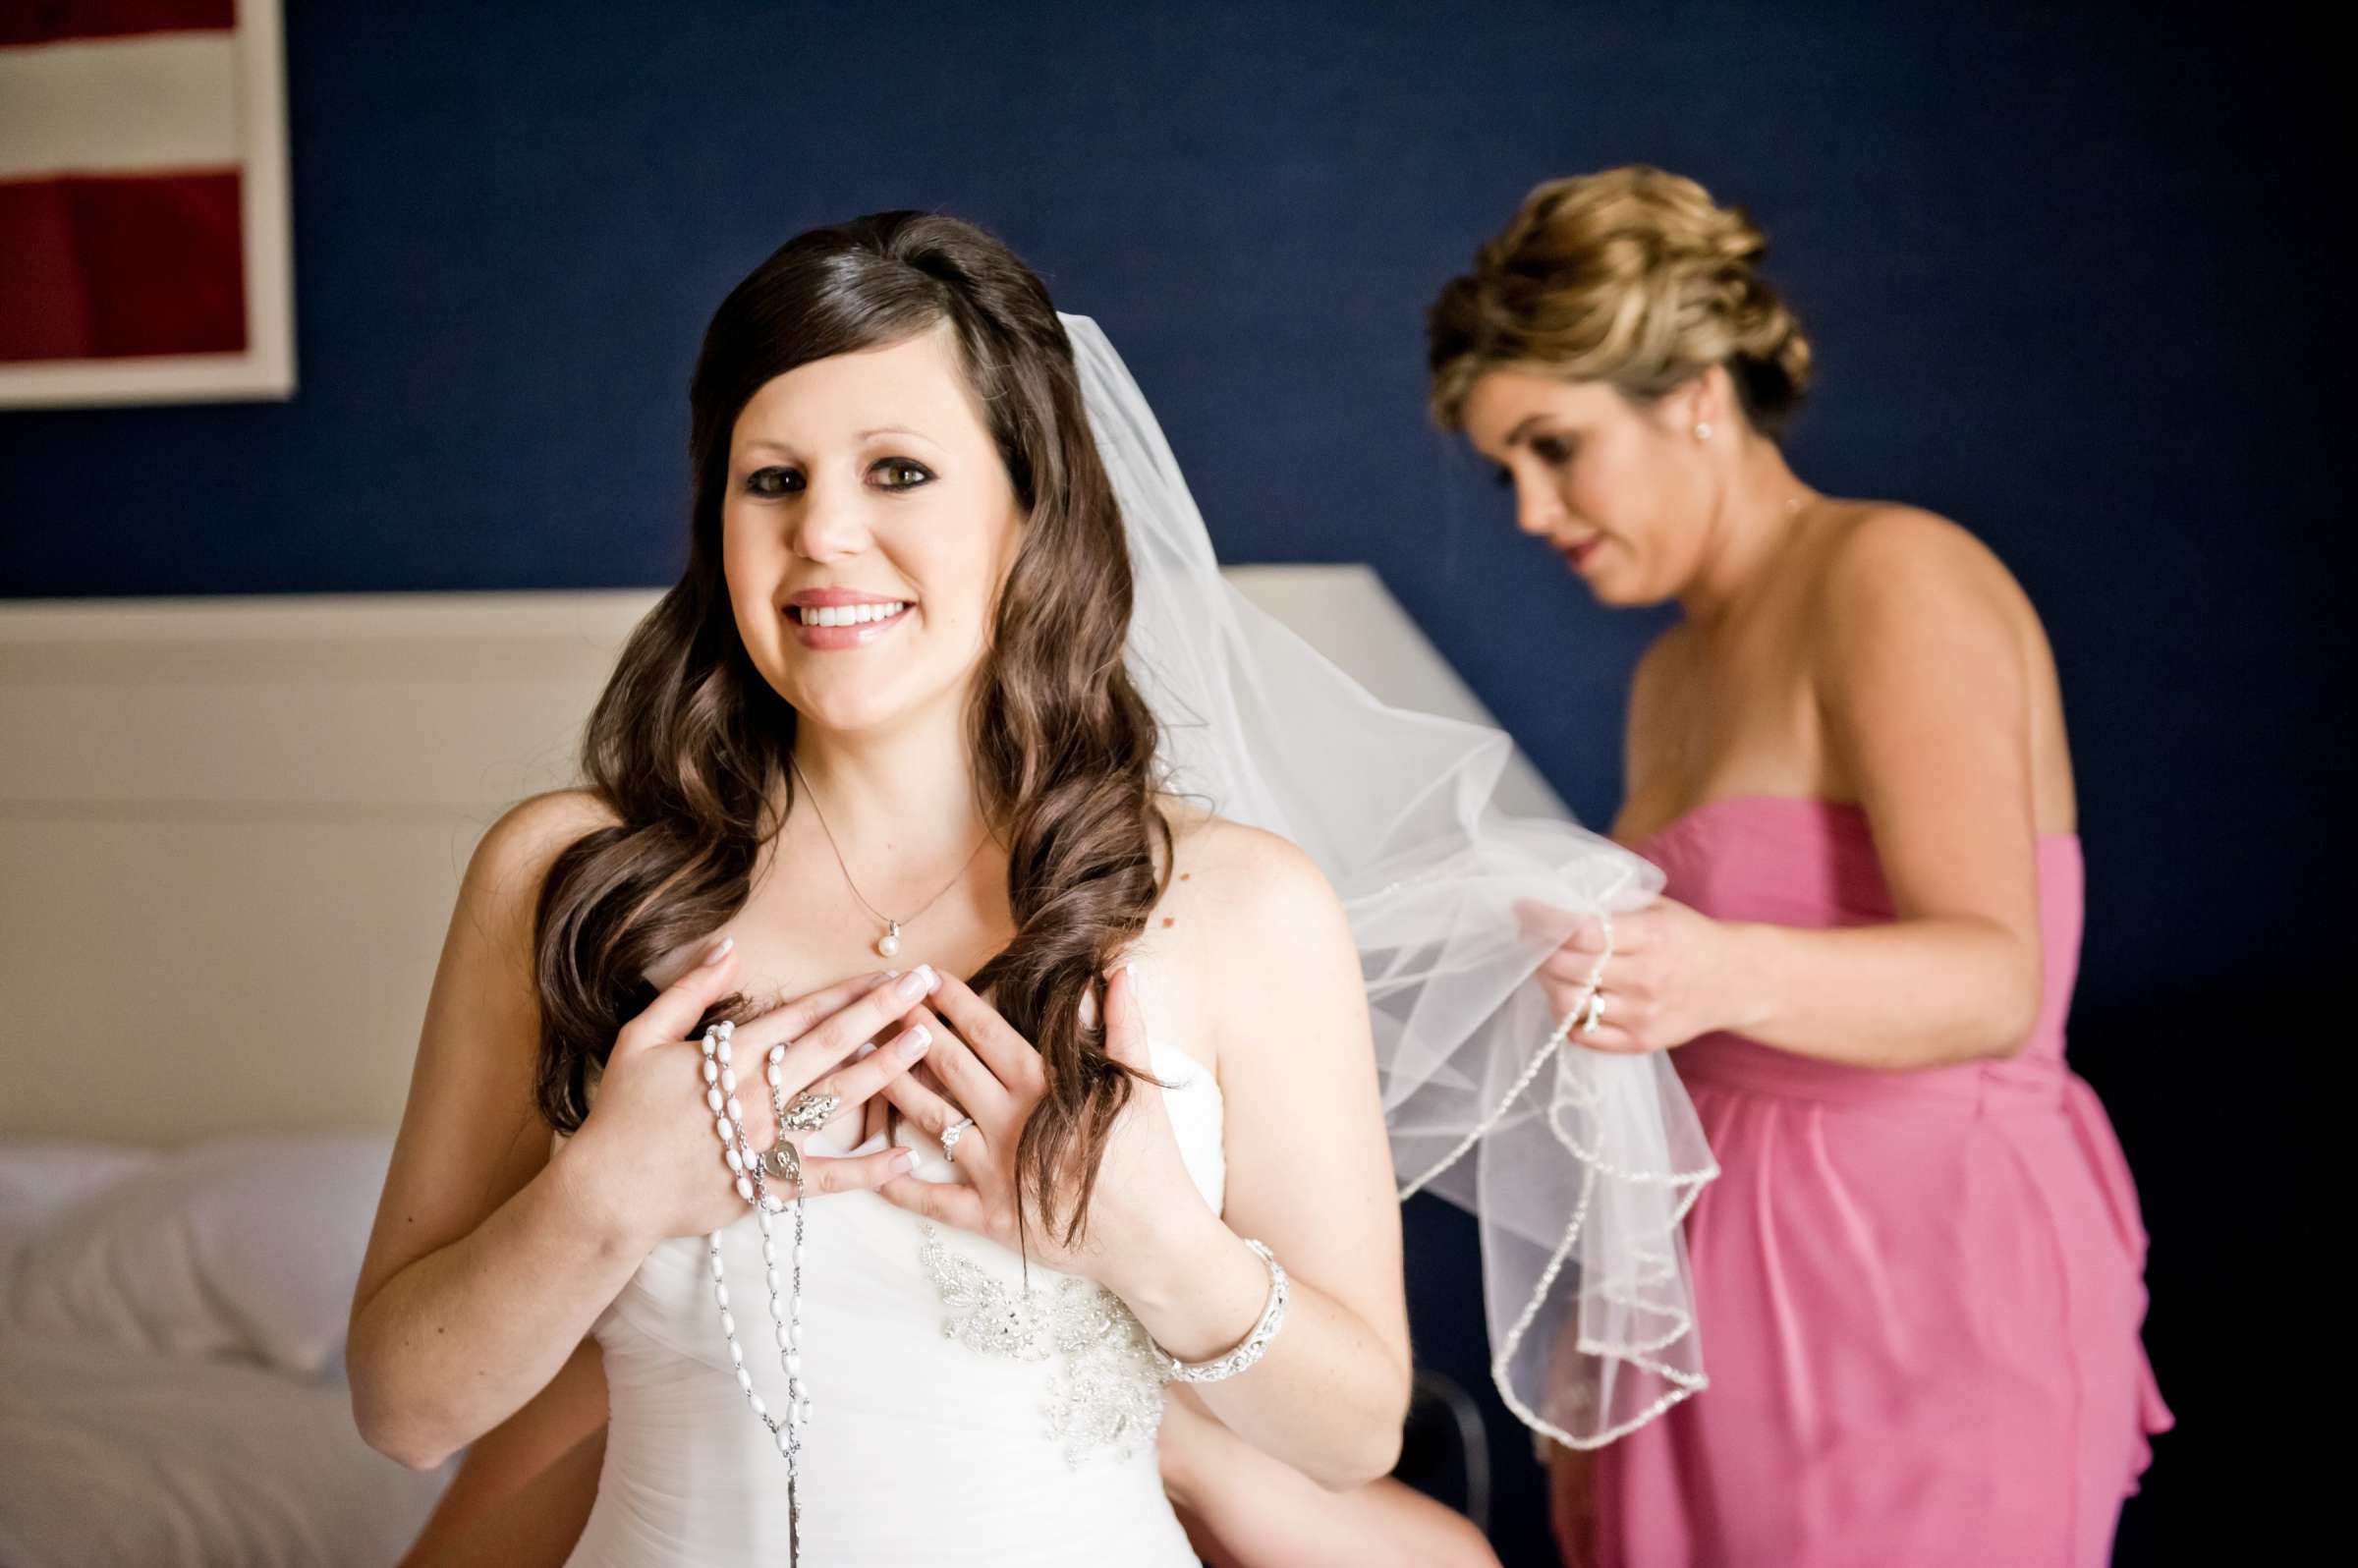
<point x="845" y="614"/>
<point x="1578" y="554"/>
<point x="841" y="628"/>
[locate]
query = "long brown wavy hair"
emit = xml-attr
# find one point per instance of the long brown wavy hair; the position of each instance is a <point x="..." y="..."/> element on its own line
<point x="689" y="744"/>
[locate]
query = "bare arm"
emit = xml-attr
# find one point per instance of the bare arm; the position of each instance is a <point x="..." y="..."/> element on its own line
<point x="1924" y="683"/>
<point x="1924" y="691"/>
<point x="488" y="1262"/>
<point x="1243" y="1509"/>
<point x="525" y="1490"/>
<point x="1308" y="1173"/>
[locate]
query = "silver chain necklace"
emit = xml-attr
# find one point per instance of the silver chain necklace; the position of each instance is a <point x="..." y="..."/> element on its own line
<point x="889" y="944"/>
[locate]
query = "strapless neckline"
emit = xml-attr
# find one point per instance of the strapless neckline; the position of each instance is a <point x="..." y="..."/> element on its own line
<point x="1848" y="814"/>
<point x="1808" y="863"/>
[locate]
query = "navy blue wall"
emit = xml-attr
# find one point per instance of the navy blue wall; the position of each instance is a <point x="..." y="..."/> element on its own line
<point x="2067" y="272"/>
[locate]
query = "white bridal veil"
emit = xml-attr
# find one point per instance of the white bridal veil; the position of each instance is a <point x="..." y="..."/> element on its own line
<point x="1579" y="1165"/>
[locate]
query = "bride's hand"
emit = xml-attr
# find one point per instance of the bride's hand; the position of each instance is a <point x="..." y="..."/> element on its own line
<point x="997" y="1077"/>
<point x="650" y="1149"/>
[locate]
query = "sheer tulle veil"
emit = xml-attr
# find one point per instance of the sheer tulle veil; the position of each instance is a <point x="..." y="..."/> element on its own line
<point x="1578" y="1164"/>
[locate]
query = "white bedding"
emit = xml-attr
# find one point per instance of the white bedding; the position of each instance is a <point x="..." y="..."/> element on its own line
<point x="110" y="1457"/>
<point x="38" y="1178"/>
<point x="171" y="1334"/>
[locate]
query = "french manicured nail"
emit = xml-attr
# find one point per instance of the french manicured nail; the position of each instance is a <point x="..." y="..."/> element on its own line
<point x="912" y="1045"/>
<point x="720" y="950"/>
<point x="902" y="1162"/>
<point x="916" y="982"/>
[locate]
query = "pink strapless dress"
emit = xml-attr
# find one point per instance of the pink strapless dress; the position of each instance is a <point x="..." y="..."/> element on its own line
<point x="1920" y="1293"/>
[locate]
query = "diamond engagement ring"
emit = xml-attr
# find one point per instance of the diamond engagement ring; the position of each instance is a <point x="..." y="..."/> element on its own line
<point x="950" y="1135"/>
<point x="1596" y="1018"/>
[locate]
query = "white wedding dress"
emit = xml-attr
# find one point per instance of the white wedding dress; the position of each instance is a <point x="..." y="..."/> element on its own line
<point x="930" y="1446"/>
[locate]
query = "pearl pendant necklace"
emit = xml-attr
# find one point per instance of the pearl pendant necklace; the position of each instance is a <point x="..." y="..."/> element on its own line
<point x="889" y="944"/>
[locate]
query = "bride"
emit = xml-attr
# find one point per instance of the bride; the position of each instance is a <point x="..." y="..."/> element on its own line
<point x="1076" y="1076"/>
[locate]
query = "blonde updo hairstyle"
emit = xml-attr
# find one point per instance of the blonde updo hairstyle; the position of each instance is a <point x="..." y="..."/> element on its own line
<point x="1633" y="277"/>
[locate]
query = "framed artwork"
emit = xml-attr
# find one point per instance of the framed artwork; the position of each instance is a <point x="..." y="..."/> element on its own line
<point x="143" y="228"/>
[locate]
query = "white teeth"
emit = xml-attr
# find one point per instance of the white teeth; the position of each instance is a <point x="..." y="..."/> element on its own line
<point x="848" y="614"/>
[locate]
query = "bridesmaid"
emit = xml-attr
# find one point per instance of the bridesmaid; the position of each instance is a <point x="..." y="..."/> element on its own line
<point x="1920" y="1276"/>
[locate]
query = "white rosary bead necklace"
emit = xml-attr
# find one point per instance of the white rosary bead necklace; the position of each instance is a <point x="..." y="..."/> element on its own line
<point x="785" y="1311"/>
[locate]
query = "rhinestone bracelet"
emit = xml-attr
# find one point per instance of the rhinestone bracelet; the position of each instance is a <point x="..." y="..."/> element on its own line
<point x="1254" y="1343"/>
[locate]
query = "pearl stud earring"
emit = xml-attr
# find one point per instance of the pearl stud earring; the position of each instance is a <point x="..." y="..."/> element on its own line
<point x="1703" y="429"/>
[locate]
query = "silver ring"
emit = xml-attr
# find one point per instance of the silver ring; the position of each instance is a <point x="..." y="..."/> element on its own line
<point x="812" y="1109"/>
<point x="1596" y="1018"/>
<point x="950" y="1135"/>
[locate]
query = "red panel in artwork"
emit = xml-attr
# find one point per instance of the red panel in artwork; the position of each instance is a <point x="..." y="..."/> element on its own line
<point x="55" y="20"/>
<point x="45" y="312"/>
<point x="119" y="266"/>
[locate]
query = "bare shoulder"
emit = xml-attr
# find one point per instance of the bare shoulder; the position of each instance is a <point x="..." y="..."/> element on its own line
<point x="1878" y="552"/>
<point x="1254" y="879"/>
<point x="1246" y="919"/>
<point x="552" y="819"/>
<point x="1917" y="617"/>
<point x="1898" y="582"/>
<point x="513" y="857"/>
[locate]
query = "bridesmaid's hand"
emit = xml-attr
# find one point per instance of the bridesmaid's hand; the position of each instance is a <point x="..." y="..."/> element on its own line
<point x="1671" y="976"/>
<point x="997" y="1077"/>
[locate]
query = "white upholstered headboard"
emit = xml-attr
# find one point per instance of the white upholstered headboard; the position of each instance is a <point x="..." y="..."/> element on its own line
<point x="231" y="829"/>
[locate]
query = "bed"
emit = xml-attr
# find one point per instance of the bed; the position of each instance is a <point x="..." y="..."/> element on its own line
<point x="171" y="1340"/>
